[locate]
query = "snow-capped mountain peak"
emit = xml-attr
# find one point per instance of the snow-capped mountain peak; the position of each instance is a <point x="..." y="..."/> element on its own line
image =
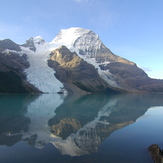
<point x="68" y="37"/>
<point x="83" y="41"/>
<point x="38" y="40"/>
<point x="51" y="74"/>
<point x="88" y="46"/>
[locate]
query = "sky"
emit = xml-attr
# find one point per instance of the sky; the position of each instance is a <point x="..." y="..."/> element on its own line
<point x="132" y="29"/>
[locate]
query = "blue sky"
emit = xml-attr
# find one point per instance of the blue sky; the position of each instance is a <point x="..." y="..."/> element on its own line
<point x="132" y="29"/>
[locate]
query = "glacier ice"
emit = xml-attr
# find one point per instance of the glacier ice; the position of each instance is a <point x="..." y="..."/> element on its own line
<point x="39" y="73"/>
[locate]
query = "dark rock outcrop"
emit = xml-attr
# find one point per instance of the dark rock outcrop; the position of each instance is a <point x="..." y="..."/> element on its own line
<point x="156" y="153"/>
<point x="77" y="75"/>
<point x="9" y="44"/>
<point x="12" y="76"/>
<point x="133" y="78"/>
<point x="29" y="43"/>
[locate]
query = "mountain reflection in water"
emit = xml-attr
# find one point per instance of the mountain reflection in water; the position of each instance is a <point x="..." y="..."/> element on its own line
<point x="75" y="125"/>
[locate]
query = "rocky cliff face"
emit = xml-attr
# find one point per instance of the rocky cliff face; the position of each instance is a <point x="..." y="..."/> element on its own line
<point x="12" y="66"/>
<point x="132" y="78"/>
<point x="9" y="44"/>
<point x="77" y="75"/>
<point x="89" y="45"/>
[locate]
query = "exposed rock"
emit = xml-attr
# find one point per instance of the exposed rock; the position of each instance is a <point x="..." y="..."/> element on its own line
<point x="29" y="43"/>
<point x="128" y="76"/>
<point x="9" y="44"/>
<point x="89" y="44"/>
<point x="156" y="153"/>
<point x="133" y="78"/>
<point x="77" y="75"/>
<point x="12" y="76"/>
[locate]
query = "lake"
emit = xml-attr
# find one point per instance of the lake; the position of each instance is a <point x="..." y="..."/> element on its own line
<point x="81" y="129"/>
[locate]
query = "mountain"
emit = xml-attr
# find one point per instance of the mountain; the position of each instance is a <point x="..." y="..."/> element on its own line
<point x="77" y="75"/>
<point x="12" y="66"/>
<point x="75" y="61"/>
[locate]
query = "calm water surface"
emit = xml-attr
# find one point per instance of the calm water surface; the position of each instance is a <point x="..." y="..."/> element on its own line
<point x="92" y="128"/>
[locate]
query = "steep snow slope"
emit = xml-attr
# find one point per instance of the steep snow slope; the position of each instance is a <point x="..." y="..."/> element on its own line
<point x="39" y="73"/>
<point x="68" y="37"/>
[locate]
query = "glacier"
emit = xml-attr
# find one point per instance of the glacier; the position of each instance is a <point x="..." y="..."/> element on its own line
<point x="39" y="73"/>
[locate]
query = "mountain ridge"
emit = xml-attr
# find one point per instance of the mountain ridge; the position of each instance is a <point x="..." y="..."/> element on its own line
<point x="116" y="73"/>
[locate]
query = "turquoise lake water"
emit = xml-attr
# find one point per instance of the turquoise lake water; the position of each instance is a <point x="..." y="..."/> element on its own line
<point x="89" y="128"/>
